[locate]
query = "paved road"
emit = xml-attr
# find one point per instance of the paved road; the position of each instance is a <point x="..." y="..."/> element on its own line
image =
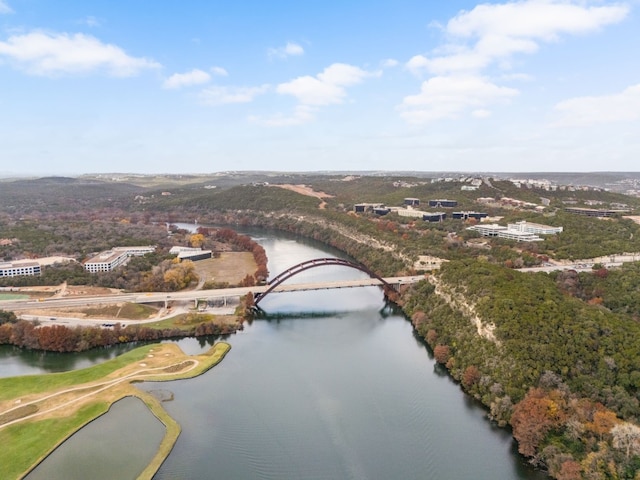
<point x="191" y="295"/>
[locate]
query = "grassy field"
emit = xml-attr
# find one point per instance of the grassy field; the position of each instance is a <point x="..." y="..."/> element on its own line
<point x="186" y="321"/>
<point x="12" y="296"/>
<point x="16" y="387"/>
<point x="131" y="311"/>
<point x="230" y="267"/>
<point x="65" y="411"/>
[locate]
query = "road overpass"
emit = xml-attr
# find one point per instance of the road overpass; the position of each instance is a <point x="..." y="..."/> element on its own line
<point x="212" y="295"/>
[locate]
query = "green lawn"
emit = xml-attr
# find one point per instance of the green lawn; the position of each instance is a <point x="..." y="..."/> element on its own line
<point x="27" y="442"/>
<point x="12" y="296"/>
<point x="14" y="387"/>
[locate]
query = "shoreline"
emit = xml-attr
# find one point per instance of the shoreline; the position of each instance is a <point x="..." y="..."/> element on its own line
<point x="169" y="363"/>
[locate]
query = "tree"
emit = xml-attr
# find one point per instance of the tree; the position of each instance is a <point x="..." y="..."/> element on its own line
<point x="626" y="436"/>
<point x="442" y="353"/>
<point x="570" y="470"/>
<point x="7" y="317"/>
<point x="471" y="376"/>
<point x="534" y="417"/>
<point x="196" y="240"/>
<point x="603" y="422"/>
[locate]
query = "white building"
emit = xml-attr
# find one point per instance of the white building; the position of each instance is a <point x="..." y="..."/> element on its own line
<point x="537" y="228"/>
<point x="520" y="231"/>
<point x="19" y="268"/>
<point x="410" y="213"/>
<point x="499" y="231"/>
<point x="111" y="259"/>
<point x="190" y="253"/>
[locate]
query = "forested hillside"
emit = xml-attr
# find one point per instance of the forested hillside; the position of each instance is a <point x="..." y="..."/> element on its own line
<point x="554" y="355"/>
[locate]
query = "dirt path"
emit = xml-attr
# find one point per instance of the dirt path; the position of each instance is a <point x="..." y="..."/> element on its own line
<point x="166" y="360"/>
<point x="308" y="191"/>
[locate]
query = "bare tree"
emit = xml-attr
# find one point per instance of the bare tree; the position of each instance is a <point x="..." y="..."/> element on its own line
<point x="626" y="436"/>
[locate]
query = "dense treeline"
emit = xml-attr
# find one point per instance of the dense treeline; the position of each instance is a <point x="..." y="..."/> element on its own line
<point x="59" y="338"/>
<point x="587" y="237"/>
<point x="77" y="238"/>
<point x="533" y="333"/>
<point x="618" y="289"/>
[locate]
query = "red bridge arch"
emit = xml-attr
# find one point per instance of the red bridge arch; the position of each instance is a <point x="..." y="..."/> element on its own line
<point x="318" y="262"/>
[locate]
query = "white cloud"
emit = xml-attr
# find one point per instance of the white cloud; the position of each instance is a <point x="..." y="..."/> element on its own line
<point x="543" y="19"/>
<point x="390" y="63"/>
<point x="490" y="34"/>
<point x="301" y="114"/>
<point x="40" y="53"/>
<point x="450" y="96"/>
<point x="289" y="50"/>
<point x="498" y="31"/>
<point x="481" y="113"/>
<point x="221" y="95"/>
<point x="519" y="77"/>
<point x="586" y="111"/>
<point x="179" y="80"/>
<point x="328" y="87"/>
<point x="4" y="8"/>
<point x="90" y="21"/>
<point x="219" y="71"/>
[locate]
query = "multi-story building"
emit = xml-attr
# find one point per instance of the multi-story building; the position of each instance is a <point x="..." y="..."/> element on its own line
<point x="111" y="259"/>
<point x="537" y="228"/>
<point x="19" y="268"/>
<point x="500" y="231"/>
<point x="434" y="217"/>
<point x="592" y="212"/>
<point x="443" y="203"/>
<point x="467" y="215"/>
<point x="520" y="231"/>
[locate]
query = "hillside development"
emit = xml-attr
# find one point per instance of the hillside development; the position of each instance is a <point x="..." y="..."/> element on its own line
<point x="554" y="353"/>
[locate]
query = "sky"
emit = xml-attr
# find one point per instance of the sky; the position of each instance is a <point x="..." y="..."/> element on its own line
<point x="204" y="86"/>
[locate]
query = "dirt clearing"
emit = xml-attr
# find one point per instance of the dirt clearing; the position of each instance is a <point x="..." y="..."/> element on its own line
<point x="230" y="267"/>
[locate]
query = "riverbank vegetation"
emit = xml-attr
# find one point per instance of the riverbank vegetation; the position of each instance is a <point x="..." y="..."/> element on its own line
<point x="555" y="356"/>
<point x="60" y="338"/>
<point x="563" y="373"/>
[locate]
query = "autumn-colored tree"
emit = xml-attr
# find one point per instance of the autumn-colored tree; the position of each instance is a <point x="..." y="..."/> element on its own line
<point x="432" y="337"/>
<point x="471" y="376"/>
<point x="442" y="353"/>
<point x="603" y="421"/>
<point x="534" y="416"/>
<point x="196" y="240"/>
<point x="570" y="470"/>
<point x="418" y="318"/>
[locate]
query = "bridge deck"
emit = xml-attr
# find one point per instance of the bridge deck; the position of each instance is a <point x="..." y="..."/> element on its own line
<point x="192" y="295"/>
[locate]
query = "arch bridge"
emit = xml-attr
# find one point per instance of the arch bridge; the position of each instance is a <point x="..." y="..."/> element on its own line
<point x="389" y="290"/>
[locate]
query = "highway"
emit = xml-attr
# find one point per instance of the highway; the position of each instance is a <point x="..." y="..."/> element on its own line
<point x="189" y="295"/>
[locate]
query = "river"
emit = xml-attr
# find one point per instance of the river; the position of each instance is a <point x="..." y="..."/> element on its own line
<point x="329" y="385"/>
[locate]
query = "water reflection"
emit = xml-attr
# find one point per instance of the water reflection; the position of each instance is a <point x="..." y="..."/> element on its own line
<point x="15" y="361"/>
<point x="118" y="445"/>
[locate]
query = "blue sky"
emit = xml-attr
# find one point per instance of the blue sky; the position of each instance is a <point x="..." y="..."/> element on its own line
<point x="209" y="86"/>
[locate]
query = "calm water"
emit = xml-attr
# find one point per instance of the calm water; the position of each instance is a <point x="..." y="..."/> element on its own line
<point x="331" y="385"/>
<point x="104" y="450"/>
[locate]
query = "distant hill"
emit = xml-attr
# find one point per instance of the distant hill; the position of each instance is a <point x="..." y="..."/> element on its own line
<point x="62" y="193"/>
